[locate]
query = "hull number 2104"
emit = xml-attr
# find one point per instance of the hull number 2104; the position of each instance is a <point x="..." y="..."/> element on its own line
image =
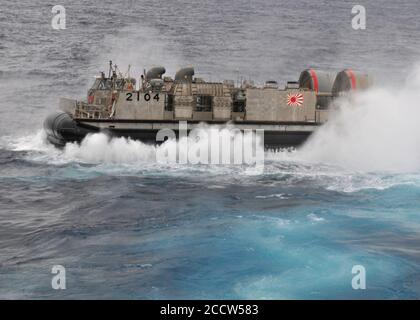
<point x="146" y="96"/>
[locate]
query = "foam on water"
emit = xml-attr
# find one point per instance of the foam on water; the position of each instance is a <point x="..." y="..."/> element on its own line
<point x="375" y="131"/>
<point x="370" y="142"/>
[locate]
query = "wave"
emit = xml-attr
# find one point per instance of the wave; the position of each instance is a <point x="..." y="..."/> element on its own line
<point x="100" y="154"/>
<point x="374" y="131"/>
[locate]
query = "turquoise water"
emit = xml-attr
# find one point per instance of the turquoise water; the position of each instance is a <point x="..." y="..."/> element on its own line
<point x="151" y="231"/>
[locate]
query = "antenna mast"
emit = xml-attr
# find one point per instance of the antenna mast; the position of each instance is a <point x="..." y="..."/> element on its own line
<point x="110" y="69"/>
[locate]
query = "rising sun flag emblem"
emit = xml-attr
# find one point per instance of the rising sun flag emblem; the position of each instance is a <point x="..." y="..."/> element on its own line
<point x="295" y="99"/>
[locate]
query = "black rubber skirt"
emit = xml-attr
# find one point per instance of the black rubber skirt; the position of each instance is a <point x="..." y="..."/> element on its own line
<point x="61" y="128"/>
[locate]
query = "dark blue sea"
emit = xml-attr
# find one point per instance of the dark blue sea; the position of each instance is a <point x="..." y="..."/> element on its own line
<point x="126" y="226"/>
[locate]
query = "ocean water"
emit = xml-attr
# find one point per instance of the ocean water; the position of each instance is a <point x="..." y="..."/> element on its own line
<point x="126" y="226"/>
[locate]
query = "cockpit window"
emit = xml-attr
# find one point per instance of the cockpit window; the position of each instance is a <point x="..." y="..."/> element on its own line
<point x="106" y="84"/>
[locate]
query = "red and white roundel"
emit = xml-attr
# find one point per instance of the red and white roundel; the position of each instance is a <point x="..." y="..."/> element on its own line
<point x="294" y="99"/>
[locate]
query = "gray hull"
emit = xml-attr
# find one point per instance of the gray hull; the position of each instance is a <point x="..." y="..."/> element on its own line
<point x="62" y="128"/>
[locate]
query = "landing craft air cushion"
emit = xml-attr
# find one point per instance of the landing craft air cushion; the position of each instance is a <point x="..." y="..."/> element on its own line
<point x="114" y="106"/>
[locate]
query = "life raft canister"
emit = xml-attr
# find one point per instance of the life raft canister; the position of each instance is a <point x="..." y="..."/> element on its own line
<point x="91" y="98"/>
